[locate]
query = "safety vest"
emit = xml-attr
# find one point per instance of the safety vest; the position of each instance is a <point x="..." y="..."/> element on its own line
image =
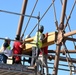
<point x="37" y="40"/>
<point x="9" y="48"/>
<point x="2" y="49"/>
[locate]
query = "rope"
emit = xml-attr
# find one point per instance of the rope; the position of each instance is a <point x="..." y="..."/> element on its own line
<point x="29" y="18"/>
<point x="42" y="17"/>
<point x="56" y="22"/>
<point x="69" y="25"/>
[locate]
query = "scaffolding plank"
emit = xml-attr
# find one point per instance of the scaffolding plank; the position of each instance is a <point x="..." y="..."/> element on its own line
<point x="50" y="40"/>
<point x="13" y="73"/>
<point x="15" y="69"/>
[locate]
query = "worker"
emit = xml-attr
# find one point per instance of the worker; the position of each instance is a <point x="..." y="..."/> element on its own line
<point x="37" y="44"/>
<point x="43" y="56"/>
<point x="23" y="57"/>
<point x="8" y="41"/>
<point x="17" y="49"/>
<point x="5" y="50"/>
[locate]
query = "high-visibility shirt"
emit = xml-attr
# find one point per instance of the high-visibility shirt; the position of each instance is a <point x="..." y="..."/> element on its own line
<point x="37" y="39"/>
<point x="16" y="47"/>
<point x="2" y="48"/>
<point x="9" y="48"/>
<point x="17" y="50"/>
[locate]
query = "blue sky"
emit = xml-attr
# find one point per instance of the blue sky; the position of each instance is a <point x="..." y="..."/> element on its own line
<point x="9" y="22"/>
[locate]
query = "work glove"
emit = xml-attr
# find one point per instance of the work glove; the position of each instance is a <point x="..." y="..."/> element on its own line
<point x="46" y="35"/>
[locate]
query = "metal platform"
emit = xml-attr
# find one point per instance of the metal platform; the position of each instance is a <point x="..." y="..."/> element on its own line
<point x="16" y="69"/>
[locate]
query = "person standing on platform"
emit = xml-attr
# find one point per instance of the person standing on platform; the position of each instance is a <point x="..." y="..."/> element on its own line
<point x="6" y="50"/>
<point x="37" y="45"/>
<point x="43" y="56"/>
<point x="17" y="49"/>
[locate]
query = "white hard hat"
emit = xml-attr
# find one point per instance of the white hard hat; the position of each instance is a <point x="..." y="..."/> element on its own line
<point x="7" y="38"/>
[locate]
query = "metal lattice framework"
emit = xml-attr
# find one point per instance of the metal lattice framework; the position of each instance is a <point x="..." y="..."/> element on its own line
<point x="62" y="36"/>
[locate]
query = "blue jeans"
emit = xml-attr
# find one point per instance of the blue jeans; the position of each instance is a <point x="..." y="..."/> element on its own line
<point x="4" y="58"/>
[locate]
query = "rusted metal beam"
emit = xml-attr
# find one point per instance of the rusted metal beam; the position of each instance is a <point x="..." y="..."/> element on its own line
<point x="70" y="33"/>
<point x="63" y="59"/>
<point x="70" y="39"/>
<point x="58" y="47"/>
<point x="63" y="15"/>
<point x="21" y="18"/>
<point x="62" y="51"/>
<point x="59" y="38"/>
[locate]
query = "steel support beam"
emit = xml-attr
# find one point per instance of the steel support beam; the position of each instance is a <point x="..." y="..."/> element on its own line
<point x="70" y="39"/>
<point x="63" y="59"/>
<point x="56" y="62"/>
<point x="59" y="38"/>
<point x="70" y="33"/>
<point x="62" y="51"/>
<point x="21" y="18"/>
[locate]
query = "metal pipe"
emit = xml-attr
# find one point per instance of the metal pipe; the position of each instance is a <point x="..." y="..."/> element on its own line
<point x="21" y="18"/>
<point x="59" y="39"/>
<point x="55" y="69"/>
<point x="63" y="15"/>
<point x="61" y="69"/>
<point x="62" y="51"/>
<point x="14" y="13"/>
<point x="59" y="64"/>
<point x="63" y="59"/>
<point x="70" y="33"/>
<point x="70" y="39"/>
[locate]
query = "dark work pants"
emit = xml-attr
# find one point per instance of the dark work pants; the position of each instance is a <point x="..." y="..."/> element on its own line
<point x="29" y="60"/>
<point x="4" y="58"/>
<point x="35" y="54"/>
<point x="16" y="62"/>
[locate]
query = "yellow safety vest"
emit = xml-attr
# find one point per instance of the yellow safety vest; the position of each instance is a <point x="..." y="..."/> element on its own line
<point x="37" y="40"/>
<point x="2" y="49"/>
<point x="9" y="48"/>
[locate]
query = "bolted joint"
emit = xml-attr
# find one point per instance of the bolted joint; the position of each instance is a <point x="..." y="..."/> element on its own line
<point x="38" y="17"/>
<point x="59" y="37"/>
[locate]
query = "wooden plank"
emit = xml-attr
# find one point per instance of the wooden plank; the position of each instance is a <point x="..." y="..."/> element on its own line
<point x="50" y="40"/>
